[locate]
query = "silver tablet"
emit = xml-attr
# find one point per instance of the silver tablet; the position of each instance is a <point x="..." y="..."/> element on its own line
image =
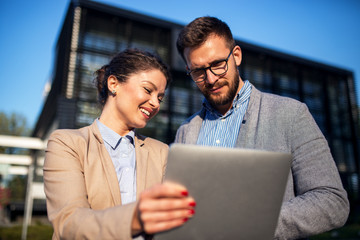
<point x="238" y="191"/>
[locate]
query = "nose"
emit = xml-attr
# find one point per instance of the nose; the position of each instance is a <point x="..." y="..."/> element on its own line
<point x="210" y="77"/>
<point x="154" y="102"/>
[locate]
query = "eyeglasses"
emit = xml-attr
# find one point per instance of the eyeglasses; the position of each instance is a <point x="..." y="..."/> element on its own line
<point x="218" y="68"/>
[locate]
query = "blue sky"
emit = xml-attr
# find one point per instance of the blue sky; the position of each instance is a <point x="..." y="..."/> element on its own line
<point x="327" y="31"/>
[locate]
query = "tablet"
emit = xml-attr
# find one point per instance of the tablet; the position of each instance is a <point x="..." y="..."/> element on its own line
<point x="238" y="192"/>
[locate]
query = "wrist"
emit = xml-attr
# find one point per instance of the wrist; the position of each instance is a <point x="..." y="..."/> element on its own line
<point x="136" y="226"/>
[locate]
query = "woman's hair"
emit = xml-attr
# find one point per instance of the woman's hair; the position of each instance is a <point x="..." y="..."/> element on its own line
<point x="124" y="64"/>
<point x="197" y="32"/>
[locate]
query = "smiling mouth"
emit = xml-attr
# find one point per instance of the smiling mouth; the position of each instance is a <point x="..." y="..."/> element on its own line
<point x="215" y="89"/>
<point x="147" y="113"/>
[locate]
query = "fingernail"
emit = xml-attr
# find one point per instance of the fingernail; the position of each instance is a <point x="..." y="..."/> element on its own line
<point x="192" y="211"/>
<point x="184" y="193"/>
<point x="185" y="219"/>
<point x="192" y="204"/>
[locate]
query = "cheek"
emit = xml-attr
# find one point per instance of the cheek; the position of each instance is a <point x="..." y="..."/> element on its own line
<point x="200" y="86"/>
<point x="138" y="96"/>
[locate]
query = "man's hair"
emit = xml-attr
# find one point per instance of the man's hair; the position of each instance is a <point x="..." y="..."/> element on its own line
<point x="197" y="32"/>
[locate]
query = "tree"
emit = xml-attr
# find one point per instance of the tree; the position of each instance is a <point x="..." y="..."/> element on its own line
<point x="13" y="124"/>
<point x="17" y="187"/>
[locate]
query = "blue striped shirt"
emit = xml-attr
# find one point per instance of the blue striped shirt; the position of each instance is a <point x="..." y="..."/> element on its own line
<point x="122" y="153"/>
<point x="222" y="130"/>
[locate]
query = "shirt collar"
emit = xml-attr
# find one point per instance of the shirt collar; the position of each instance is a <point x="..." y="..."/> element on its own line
<point x="111" y="137"/>
<point x="239" y="99"/>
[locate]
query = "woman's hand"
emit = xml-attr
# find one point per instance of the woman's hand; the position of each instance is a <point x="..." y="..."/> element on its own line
<point x="162" y="207"/>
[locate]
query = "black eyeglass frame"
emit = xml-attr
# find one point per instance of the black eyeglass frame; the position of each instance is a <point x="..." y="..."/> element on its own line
<point x="209" y="67"/>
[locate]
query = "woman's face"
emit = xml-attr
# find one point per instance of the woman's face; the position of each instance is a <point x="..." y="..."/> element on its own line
<point x="138" y="99"/>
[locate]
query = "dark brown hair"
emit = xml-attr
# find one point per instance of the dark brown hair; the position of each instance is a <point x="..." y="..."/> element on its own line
<point x="124" y="64"/>
<point x="196" y="33"/>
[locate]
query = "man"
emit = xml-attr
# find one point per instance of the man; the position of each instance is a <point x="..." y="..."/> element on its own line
<point x="236" y="114"/>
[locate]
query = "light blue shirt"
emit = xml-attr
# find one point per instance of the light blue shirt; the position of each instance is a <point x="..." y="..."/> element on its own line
<point x="222" y="131"/>
<point x="122" y="153"/>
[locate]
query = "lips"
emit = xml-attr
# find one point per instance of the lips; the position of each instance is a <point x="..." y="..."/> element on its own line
<point x="146" y="111"/>
<point x="215" y="89"/>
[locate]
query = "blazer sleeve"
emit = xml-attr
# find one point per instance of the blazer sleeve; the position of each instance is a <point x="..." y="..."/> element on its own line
<point x="320" y="202"/>
<point x="68" y="208"/>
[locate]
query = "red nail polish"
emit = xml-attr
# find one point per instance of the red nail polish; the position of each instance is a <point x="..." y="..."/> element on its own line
<point x="184" y="193"/>
<point x="192" y="211"/>
<point x="192" y="204"/>
<point x="185" y="219"/>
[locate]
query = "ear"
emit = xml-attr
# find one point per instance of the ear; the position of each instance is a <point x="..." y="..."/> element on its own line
<point x="112" y="83"/>
<point x="237" y="55"/>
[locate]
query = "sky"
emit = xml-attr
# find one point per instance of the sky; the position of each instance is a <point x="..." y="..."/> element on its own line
<point x="327" y="31"/>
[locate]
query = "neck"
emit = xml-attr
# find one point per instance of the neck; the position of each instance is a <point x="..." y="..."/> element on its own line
<point x="223" y="109"/>
<point x="109" y="118"/>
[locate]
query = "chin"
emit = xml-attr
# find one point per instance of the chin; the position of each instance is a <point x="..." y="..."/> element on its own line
<point x="140" y="125"/>
<point x="219" y="100"/>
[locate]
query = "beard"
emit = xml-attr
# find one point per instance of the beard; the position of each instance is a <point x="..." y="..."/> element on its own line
<point x="216" y="100"/>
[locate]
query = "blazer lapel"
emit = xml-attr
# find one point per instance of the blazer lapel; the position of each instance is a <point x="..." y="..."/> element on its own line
<point x="248" y="129"/>
<point x="108" y="166"/>
<point x="142" y="155"/>
<point x="193" y="130"/>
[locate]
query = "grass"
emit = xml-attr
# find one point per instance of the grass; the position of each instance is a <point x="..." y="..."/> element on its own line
<point x="35" y="232"/>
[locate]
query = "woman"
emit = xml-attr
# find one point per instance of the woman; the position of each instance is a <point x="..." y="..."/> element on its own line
<point x="103" y="181"/>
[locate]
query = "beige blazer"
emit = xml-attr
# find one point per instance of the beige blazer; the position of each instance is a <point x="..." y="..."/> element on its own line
<point x="82" y="191"/>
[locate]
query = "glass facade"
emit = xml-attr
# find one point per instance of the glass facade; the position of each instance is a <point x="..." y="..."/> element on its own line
<point x="328" y="92"/>
<point x="101" y="36"/>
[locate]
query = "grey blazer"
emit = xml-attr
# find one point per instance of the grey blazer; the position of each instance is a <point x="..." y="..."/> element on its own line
<point x="315" y="200"/>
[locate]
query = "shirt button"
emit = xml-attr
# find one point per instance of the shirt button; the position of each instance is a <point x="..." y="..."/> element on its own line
<point x="218" y="141"/>
<point x="127" y="169"/>
<point x="124" y="155"/>
<point x="223" y="119"/>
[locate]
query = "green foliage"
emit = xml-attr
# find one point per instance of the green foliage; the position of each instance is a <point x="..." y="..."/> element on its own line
<point x="38" y="232"/>
<point x="13" y="124"/>
<point x="17" y="187"/>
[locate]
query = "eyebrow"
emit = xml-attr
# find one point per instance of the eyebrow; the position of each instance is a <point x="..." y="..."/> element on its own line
<point x="211" y="63"/>
<point x="151" y="83"/>
<point x="154" y="86"/>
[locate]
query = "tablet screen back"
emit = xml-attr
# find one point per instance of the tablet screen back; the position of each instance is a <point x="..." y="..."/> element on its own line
<point x="238" y="191"/>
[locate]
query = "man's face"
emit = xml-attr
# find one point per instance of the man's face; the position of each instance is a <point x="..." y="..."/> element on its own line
<point x="221" y="90"/>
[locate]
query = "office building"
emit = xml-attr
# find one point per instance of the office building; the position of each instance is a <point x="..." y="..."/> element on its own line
<point x="93" y="32"/>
